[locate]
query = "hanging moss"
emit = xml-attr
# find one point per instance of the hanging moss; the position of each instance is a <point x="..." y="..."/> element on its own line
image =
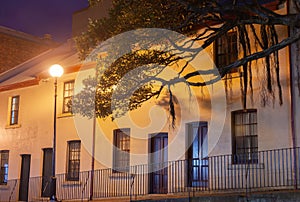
<point x="172" y="108"/>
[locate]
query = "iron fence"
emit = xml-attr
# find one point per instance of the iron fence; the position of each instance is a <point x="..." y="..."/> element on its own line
<point x="271" y="169"/>
<point x="9" y="191"/>
<point x="75" y="189"/>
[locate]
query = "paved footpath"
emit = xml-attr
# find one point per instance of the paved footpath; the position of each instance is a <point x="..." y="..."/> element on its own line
<point x="275" y="196"/>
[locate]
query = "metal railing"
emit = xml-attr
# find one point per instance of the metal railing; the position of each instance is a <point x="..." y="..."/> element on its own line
<point x="273" y="168"/>
<point x="264" y="170"/>
<point x="9" y="191"/>
<point x="75" y="189"/>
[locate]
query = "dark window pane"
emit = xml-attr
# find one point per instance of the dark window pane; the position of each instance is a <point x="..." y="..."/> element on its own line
<point x="245" y="136"/>
<point x="73" y="160"/>
<point x="67" y="97"/>
<point x="3" y="166"/>
<point x="14" y="112"/>
<point x="121" y="161"/>
<point x="226" y="51"/>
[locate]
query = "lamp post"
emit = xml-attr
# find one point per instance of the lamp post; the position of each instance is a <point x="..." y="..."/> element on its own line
<point x="55" y="71"/>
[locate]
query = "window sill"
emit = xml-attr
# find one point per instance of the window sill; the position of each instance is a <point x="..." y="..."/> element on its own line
<point x="64" y="115"/>
<point x="71" y="183"/>
<point x="250" y="166"/>
<point x="13" y="126"/>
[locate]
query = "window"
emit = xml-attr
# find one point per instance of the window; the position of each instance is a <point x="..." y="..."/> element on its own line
<point x="14" y="110"/>
<point x="245" y="143"/>
<point x="4" y="166"/>
<point x="73" y="160"/>
<point x="226" y="51"/>
<point x="68" y="93"/>
<point x="121" y="161"/>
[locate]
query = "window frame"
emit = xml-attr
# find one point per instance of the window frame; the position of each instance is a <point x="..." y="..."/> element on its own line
<point x="121" y="156"/>
<point x="14" y="110"/>
<point x="3" y="168"/>
<point x="250" y="157"/>
<point x="73" y="165"/>
<point x="67" y="98"/>
<point x="224" y="42"/>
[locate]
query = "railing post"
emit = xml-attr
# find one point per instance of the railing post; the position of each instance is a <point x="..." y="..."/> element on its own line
<point x="295" y="168"/>
<point x="93" y="157"/>
<point x="132" y="177"/>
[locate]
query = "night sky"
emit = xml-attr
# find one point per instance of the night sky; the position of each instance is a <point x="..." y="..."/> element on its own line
<point x="39" y="17"/>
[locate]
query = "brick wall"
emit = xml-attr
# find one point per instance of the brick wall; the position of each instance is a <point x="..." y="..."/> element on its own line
<point x="17" y="47"/>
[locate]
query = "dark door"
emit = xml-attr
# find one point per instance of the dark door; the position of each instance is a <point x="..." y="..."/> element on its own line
<point x="24" y="179"/>
<point x="47" y="171"/>
<point x="158" y="162"/>
<point x="198" y="155"/>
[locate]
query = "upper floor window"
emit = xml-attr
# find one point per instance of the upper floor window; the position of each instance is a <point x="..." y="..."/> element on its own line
<point x="73" y="160"/>
<point x="245" y="143"/>
<point x="68" y="93"/>
<point x="3" y="166"/>
<point x="226" y="51"/>
<point x="14" y="110"/>
<point x="121" y="157"/>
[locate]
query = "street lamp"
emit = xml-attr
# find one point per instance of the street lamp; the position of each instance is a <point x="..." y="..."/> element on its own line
<point x="55" y="71"/>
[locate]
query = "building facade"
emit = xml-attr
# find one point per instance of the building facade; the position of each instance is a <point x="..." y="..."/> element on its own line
<point x="216" y="144"/>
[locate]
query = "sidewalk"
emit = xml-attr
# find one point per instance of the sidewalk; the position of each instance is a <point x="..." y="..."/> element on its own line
<point x="275" y="196"/>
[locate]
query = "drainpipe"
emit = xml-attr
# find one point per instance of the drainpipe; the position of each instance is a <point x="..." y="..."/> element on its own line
<point x="93" y="158"/>
<point x="294" y="143"/>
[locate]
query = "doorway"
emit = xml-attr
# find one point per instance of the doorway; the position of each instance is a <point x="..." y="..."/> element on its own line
<point x="158" y="162"/>
<point x="198" y="154"/>
<point x="47" y="172"/>
<point x="24" y="178"/>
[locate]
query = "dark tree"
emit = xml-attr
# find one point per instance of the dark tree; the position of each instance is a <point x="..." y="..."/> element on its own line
<point x="205" y="21"/>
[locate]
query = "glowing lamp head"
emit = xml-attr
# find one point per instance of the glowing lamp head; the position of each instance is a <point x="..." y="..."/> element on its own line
<point x="56" y="70"/>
